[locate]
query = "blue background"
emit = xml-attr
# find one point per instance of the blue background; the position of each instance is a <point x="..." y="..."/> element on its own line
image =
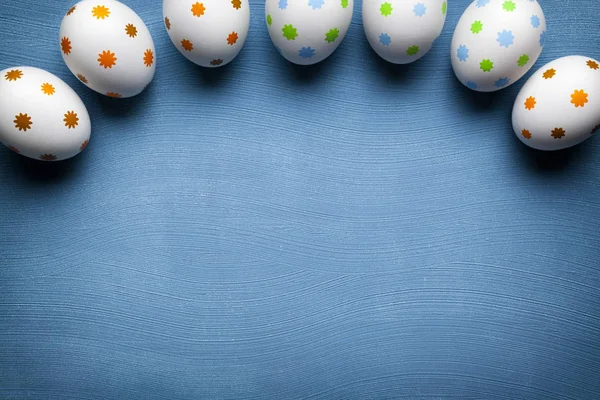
<point x="351" y="230"/>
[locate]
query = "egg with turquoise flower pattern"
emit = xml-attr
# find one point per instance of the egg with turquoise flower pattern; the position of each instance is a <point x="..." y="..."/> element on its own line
<point x="496" y="42"/>
<point x="559" y="105"/>
<point x="307" y="31"/>
<point x="403" y="31"/>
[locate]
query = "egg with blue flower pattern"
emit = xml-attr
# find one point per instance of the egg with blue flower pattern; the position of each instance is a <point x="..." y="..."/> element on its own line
<point x="403" y="31"/>
<point x="307" y="31"/>
<point x="496" y="42"/>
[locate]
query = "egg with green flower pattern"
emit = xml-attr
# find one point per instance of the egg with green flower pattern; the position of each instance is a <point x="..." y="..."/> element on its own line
<point x="403" y="31"/>
<point x="496" y="42"/>
<point x="307" y="32"/>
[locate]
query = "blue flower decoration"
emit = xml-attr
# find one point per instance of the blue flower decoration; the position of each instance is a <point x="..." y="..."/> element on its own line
<point x="481" y="3"/>
<point x="419" y="9"/>
<point x="502" y="82"/>
<point x="471" y="85"/>
<point x="306" y="52"/>
<point x="283" y="4"/>
<point x="462" y="53"/>
<point x="316" y="3"/>
<point x="535" y="21"/>
<point x="505" y="38"/>
<point x="385" y="39"/>
<point x="542" y="38"/>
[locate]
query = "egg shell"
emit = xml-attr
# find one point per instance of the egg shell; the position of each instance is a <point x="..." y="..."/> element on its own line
<point x="41" y="117"/>
<point x="107" y="46"/>
<point x="209" y="33"/>
<point x="559" y="105"/>
<point x="403" y="31"/>
<point x="496" y="42"/>
<point x="308" y="31"/>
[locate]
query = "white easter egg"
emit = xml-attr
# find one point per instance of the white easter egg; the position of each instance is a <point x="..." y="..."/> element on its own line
<point x="559" y="105"/>
<point x="41" y="117"/>
<point x="209" y="33"/>
<point x="108" y="47"/>
<point x="402" y="31"/>
<point x="307" y="31"/>
<point x="496" y="42"/>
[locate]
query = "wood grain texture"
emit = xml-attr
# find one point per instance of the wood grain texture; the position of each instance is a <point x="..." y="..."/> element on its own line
<point x="347" y="231"/>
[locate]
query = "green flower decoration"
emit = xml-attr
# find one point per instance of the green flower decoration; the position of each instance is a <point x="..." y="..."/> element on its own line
<point x="412" y="50"/>
<point x="289" y="32"/>
<point x="444" y="8"/>
<point x="509" y="6"/>
<point x="332" y="35"/>
<point x="386" y="9"/>
<point x="344" y="3"/>
<point x="269" y="19"/>
<point x="523" y="60"/>
<point x="476" y="27"/>
<point x="486" y="65"/>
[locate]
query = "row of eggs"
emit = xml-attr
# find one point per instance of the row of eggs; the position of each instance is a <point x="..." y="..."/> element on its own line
<point x="107" y="46"/>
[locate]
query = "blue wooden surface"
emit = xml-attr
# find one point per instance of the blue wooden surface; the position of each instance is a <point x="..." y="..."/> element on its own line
<point x="351" y="230"/>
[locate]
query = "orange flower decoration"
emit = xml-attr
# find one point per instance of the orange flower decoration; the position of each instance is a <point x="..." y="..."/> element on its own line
<point x="113" y="95"/>
<point x="71" y="120"/>
<point x="13" y="148"/>
<point x="593" y="64"/>
<point x="13" y="75"/>
<point x="131" y="30"/>
<point x="65" y="45"/>
<point x="526" y="134"/>
<point x="530" y="103"/>
<point x="148" y="58"/>
<point x="216" y="62"/>
<point x="558" y="133"/>
<point x="71" y="10"/>
<point x="198" y="9"/>
<point x="82" y="78"/>
<point x="187" y="45"/>
<point x="579" y="98"/>
<point x="237" y="4"/>
<point x="548" y="74"/>
<point x="48" y="89"/>
<point x="167" y="23"/>
<point x="232" y="38"/>
<point x="100" y="12"/>
<point x="107" y="59"/>
<point x="84" y="145"/>
<point x="23" y="122"/>
<point x="48" y="157"/>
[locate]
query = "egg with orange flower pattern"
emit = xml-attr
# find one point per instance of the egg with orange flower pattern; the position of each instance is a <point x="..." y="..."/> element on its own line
<point x="107" y="46"/>
<point x="209" y="33"/>
<point x="41" y="117"/>
<point x="559" y="105"/>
